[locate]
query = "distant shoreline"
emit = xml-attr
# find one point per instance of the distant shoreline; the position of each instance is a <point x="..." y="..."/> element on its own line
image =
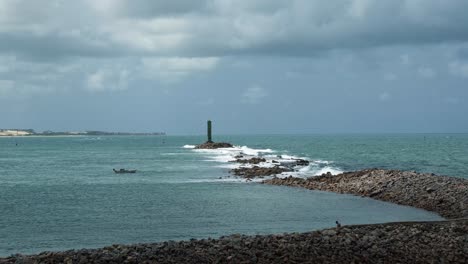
<point x="31" y="132"/>
<point x="81" y="135"/>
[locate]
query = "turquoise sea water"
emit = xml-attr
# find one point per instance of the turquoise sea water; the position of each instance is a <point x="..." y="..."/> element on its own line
<point x="60" y="192"/>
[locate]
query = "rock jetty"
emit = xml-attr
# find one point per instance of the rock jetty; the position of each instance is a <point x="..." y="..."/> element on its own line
<point x="254" y="160"/>
<point x="256" y="171"/>
<point x="404" y="242"/>
<point x="265" y="167"/>
<point x="214" y="145"/>
<point x="447" y="196"/>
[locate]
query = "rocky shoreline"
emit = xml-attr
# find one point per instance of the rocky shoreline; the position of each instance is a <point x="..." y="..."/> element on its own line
<point x="447" y="196"/>
<point x="404" y="242"/>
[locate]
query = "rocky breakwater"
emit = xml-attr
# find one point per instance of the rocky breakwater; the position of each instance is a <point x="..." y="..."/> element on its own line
<point x="405" y="242"/>
<point x="213" y="145"/>
<point x="447" y="196"/>
<point x="264" y="167"/>
<point x="258" y="172"/>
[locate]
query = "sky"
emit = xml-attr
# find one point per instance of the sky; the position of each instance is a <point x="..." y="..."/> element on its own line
<point x="251" y="66"/>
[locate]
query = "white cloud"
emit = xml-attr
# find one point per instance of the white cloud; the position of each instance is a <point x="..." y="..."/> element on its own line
<point x="459" y="68"/>
<point x="405" y="59"/>
<point x="359" y="8"/>
<point x="225" y="27"/>
<point x="96" y="81"/>
<point x="181" y="64"/>
<point x="254" y="94"/>
<point x="427" y="72"/>
<point x="157" y="36"/>
<point x="107" y="80"/>
<point x="171" y="40"/>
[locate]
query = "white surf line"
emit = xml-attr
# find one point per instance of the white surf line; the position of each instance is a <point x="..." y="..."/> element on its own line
<point x="227" y="158"/>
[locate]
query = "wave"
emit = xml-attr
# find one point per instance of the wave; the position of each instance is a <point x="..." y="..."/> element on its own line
<point x="332" y="170"/>
<point x="90" y="138"/>
<point x="227" y="157"/>
<point x="238" y="150"/>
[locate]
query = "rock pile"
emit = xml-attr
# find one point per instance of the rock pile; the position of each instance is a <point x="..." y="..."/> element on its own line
<point x="293" y="163"/>
<point x="254" y="160"/>
<point x="256" y="171"/>
<point x="447" y="196"/>
<point x="265" y="167"/>
<point x="214" y="145"/>
<point x="406" y="242"/>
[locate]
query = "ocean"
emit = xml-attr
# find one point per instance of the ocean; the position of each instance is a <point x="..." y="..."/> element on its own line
<point x="60" y="193"/>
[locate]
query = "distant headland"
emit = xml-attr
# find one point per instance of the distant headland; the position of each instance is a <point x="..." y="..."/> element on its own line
<point x="31" y="132"/>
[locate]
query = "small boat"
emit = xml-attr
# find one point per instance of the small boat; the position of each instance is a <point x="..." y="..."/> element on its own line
<point x="124" y="171"/>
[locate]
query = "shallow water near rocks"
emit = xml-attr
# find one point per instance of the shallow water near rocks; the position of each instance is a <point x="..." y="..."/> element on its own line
<point x="60" y="192"/>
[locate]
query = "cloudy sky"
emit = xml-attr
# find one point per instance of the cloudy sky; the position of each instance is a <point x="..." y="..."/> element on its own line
<point x="252" y="66"/>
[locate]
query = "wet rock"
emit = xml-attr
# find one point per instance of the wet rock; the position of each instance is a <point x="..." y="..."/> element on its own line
<point x="256" y="171"/>
<point x="254" y="160"/>
<point x="214" y="145"/>
<point x="301" y="162"/>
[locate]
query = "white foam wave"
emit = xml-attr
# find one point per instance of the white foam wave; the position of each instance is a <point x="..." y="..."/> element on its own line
<point x="305" y="169"/>
<point x="189" y="146"/>
<point x="239" y="150"/>
<point x="283" y="157"/>
<point x="322" y="161"/>
<point x="253" y="152"/>
<point x="333" y="171"/>
<point x="226" y="156"/>
<point x="221" y="158"/>
<point x="90" y="138"/>
<point x="232" y="179"/>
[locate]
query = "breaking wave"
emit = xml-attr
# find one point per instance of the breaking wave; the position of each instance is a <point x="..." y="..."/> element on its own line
<point x="225" y="158"/>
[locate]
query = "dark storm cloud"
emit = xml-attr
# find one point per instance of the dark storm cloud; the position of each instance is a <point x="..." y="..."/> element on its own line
<point x="220" y="27"/>
<point x="302" y="27"/>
